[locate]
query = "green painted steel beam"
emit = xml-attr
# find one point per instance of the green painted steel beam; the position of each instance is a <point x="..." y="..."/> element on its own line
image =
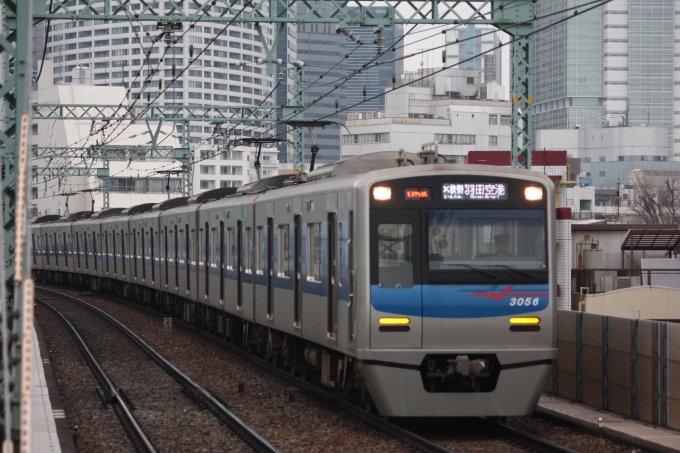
<point x="16" y="294"/>
<point x="292" y="11"/>
<point x="113" y="153"/>
<point x="521" y="97"/>
<point x="154" y="112"/>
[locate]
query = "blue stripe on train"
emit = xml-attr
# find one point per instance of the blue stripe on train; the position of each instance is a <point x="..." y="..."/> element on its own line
<point x="461" y="301"/>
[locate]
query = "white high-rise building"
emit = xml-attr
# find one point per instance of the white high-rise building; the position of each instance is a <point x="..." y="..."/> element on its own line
<point x="129" y="54"/>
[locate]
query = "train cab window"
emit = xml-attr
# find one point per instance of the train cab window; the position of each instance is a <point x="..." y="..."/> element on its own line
<point x="283" y="264"/>
<point x="259" y="251"/>
<point x="314" y="253"/>
<point x="499" y="244"/>
<point x="395" y="255"/>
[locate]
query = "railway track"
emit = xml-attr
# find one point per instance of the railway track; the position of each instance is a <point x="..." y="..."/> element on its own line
<point x="407" y="436"/>
<point x="112" y="396"/>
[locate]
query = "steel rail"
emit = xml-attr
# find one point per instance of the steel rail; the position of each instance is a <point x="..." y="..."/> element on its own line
<point x="377" y="422"/>
<point x="247" y="434"/>
<point x="139" y="439"/>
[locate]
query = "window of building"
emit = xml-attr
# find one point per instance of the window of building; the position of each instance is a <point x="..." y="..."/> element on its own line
<point x="357" y="139"/>
<point x="455" y="139"/>
<point x="207" y="185"/>
<point x="602" y="173"/>
<point x="493" y="140"/>
<point x="493" y="119"/>
<point x="506" y="120"/>
<point x="601" y="158"/>
<point x="470" y="80"/>
<point x="207" y="169"/>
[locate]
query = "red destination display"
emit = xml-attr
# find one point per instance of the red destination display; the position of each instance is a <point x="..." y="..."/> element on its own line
<point x="417" y="194"/>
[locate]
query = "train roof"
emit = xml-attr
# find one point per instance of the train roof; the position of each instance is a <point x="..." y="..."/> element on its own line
<point x="273" y="182"/>
<point x="138" y="209"/>
<point x="111" y="212"/>
<point x="45" y="219"/>
<point x="171" y="203"/>
<point x="212" y="195"/>
<point x="74" y="217"/>
<point x="363" y="164"/>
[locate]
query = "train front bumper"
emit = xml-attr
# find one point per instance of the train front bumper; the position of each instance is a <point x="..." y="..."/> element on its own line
<point x="397" y="388"/>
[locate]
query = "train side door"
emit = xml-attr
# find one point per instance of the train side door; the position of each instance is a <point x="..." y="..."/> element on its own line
<point x="396" y="278"/>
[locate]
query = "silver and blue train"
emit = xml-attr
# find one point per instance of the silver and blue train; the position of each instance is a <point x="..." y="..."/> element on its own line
<point x="426" y="289"/>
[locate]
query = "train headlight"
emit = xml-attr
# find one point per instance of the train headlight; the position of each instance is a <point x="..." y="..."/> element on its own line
<point x="533" y="193"/>
<point x="524" y="321"/>
<point x="394" y="321"/>
<point x="382" y="193"/>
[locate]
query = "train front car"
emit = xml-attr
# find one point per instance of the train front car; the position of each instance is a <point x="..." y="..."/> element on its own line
<point x="462" y="281"/>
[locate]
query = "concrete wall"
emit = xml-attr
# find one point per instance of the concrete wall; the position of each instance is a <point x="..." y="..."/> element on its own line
<point x="641" y="302"/>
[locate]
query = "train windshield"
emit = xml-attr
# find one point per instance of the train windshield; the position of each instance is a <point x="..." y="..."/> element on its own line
<point x="482" y="240"/>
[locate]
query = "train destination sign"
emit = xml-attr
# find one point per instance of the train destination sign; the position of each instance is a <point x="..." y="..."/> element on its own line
<point x="417" y="194"/>
<point x="475" y="191"/>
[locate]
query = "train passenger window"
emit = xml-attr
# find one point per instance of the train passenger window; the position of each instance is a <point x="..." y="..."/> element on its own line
<point x="115" y="262"/>
<point x="94" y="250"/>
<point x="87" y="252"/>
<point x="270" y="268"/>
<point x="314" y="253"/>
<point x="180" y="239"/>
<point x="350" y="277"/>
<point x="332" y="276"/>
<point x="341" y="254"/>
<point x="122" y="250"/>
<point x="283" y="264"/>
<point x="231" y="249"/>
<point x="47" y="249"/>
<point x="206" y="261"/>
<point x="65" y="250"/>
<point x="201" y="256"/>
<point x="56" y="250"/>
<point x="395" y="255"/>
<point x="35" y="249"/>
<point x="259" y="251"/>
<point x="249" y="251"/>
<point x="213" y="244"/>
<point x="221" y="261"/>
<point x="189" y="245"/>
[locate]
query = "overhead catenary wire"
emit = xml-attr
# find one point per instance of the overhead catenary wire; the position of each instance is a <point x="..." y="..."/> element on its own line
<point x="595" y="3"/>
<point x="431" y="74"/>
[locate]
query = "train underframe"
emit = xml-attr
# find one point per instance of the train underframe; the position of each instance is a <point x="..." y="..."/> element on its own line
<point x="301" y="357"/>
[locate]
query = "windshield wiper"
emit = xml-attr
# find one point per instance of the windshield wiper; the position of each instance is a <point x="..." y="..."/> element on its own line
<point x="489" y="274"/>
<point x="526" y="274"/>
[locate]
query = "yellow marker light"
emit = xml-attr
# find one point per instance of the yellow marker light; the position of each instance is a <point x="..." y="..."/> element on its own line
<point x="394" y="321"/>
<point x="533" y="193"/>
<point x="525" y="321"/>
<point x="382" y="193"/>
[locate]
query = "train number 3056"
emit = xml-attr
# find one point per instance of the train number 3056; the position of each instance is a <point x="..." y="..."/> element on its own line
<point x="522" y="301"/>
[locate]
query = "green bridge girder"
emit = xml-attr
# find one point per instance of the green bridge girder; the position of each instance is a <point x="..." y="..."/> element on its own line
<point x="300" y="11"/>
<point x="154" y="112"/>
